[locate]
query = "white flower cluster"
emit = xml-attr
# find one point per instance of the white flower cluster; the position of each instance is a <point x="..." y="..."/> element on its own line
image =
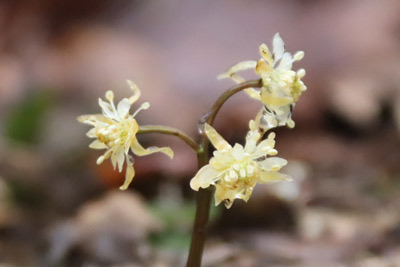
<point x="234" y="171"/>
<point x="115" y="130"/>
<point x="282" y="86"/>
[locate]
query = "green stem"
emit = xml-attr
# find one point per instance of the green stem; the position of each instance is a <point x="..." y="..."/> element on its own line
<point x="169" y="131"/>
<point x="204" y="196"/>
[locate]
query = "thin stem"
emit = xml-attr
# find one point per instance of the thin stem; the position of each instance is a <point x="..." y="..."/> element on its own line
<point x="209" y="117"/>
<point x="204" y="196"/>
<point x="170" y="131"/>
<point x="203" y="206"/>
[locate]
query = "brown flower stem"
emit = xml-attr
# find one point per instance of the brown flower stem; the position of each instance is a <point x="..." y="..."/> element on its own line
<point x="169" y="131"/>
<point x="209" y="117"/>
<point x="204" y="196"/>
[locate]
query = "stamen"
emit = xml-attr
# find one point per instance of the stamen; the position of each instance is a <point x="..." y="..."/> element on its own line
<point x="301" y="73"/>
<point x="272" y="152"/>
<point x="236" y="167"/>
<point x="298" y="56"/>
<point x="250" y="170"/>
<point x="144" y="106"/>
<point x="282" y="83"/>
<point x="233" y="175"/>
<point x="271" y="135"/>
<point x="227" y="178"/>
<point x="110" y="95"/>
<point x="110" y="98"/>
<point x="100" y="160"/>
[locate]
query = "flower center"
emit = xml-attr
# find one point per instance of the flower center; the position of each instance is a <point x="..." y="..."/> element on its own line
<point x="117" y="133"/>
<point x="240" y="172"/>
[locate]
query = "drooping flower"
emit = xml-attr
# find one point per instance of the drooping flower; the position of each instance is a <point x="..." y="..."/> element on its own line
<point x="234" y="171"/>
<point x="282" y="86"/>
<point x="115" y="130"/>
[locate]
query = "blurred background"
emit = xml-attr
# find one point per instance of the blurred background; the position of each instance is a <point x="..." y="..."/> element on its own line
<point x="58" y="208"/>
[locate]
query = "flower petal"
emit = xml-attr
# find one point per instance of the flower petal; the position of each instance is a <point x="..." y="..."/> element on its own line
<point x="94" y="119"/>
<point x="271" y="177"/>
<point x="265" y="147"/>
<point x="138" y="150"/>
<point x="252" y="138"/>
<point x="206" y="176"/>
<point x="136" y="91"/>
<point x="120" y="157"/>
<point x="123" y="107"/>
<point x="237" y="67"/>
<point x="228" y="195"/>
<point x="114" y="160"/>
<point x="216" y="139"/>
<point x="83" y="118"/>
<point x="278" y="47"/>
<point x="253" y="93"/>
<point x="96" y="144"/>
<point x="91" y="133"/>
<point x="221" y="160"/>
<point x="272" y="100"/>
<point x="246" y="194"/>
<point x="272" y="164"/>
<point x="238" y="152"/>
<point x="286" y="62"/>
<point x="263" y="68"/>
<point x="237" y="78"/>
<point x="108" y="110"/>
<point x="266" y="54"/>
<point x="130" y="173"/>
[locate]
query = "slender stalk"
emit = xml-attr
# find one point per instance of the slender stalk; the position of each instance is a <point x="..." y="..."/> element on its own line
<point x="204" y="196"/>
<point x="170" y="131"/>
<point x="209" y="117"/>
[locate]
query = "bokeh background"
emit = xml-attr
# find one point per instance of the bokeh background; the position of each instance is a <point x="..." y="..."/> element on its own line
<point x="58" y="208"/>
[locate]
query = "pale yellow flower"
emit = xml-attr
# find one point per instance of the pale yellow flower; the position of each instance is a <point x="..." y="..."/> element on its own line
<point x="115" y="130"/>
<point x="282" y="86"/>
<point x="234" y="171"/>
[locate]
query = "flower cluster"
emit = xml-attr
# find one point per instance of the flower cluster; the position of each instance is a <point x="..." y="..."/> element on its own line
<point x="115" y="130"/>
<point x="282" y="86"/>
<point x="234" y="171"/>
